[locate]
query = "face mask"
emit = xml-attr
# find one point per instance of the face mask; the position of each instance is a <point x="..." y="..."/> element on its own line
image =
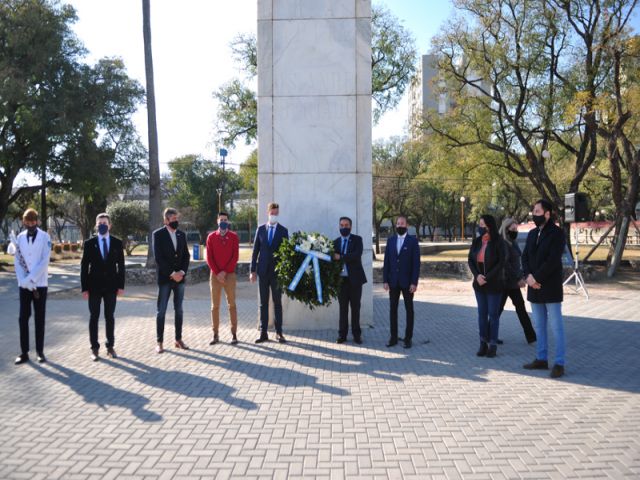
<point x="539" y="220"/>
<point x="223" y="225"/>
<point x="512" y="235"/>
<point x="481" y="231"/>
<point x="345" y="231"/>
<point x="103" y="229"/>
<point x="401" y="230"/>
<point x="174" y="224"/>
<point x="273" y="219"/>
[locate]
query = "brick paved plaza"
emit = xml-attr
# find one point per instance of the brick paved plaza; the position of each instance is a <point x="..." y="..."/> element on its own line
<point x="314" y="409"/>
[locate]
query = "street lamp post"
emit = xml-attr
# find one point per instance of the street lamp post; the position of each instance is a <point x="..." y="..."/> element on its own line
<point x="219" y="190"/>
<point x="462" y="200"/>
<point x="223" y="157"/>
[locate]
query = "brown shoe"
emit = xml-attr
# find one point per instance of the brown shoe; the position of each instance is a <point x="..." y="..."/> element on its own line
<point x="94" y="355"/>
<point x="557" y="371"/>
<point x="111" y="353"/>
<point x="537" y="365"/>
<point x="181" y="344"/>
<point x="159" y="348"/>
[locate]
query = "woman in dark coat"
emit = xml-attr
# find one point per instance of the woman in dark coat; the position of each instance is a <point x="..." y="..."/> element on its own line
<point x="515" y="278"/>
<point x="487" y="257"/>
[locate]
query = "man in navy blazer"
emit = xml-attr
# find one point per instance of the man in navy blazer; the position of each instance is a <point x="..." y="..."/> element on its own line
<point x="348" y="251"/>
<point x="172" y="262"/>
<point x="102" y="274"/>
<point x="268" y="239"/>
<point x="400" y="274"/>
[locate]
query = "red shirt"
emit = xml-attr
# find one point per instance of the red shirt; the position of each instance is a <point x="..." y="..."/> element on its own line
<point x="222" y="251"/>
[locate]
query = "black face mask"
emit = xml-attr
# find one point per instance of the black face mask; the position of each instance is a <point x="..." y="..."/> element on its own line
<point x="401" y="230"/>
<point x="512" y="235"/>
<point x="539" y="220"/>
<point x="481" y="231"/>
<point x="345" y="231"/>
<point x="174" y="224"/>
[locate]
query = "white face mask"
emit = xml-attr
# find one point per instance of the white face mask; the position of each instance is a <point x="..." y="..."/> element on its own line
<point x="273" y="219"/>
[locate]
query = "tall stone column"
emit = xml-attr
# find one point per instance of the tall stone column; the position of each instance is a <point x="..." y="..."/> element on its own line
<point x="314" y="127"/>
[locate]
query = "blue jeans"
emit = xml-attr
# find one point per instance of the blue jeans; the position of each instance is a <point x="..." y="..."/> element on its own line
<point x="164" y="291"/>
<point x="552" y="312"/>
<point x="488" y="315"/>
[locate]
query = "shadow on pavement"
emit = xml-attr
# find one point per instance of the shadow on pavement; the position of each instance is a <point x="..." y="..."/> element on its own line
<point x="183" y="383"/>
<point x="100" y="393"/>
<point x="278" y="376"/>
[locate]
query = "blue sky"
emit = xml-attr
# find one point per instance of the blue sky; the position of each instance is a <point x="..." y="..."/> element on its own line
<point x="191" y="59"/>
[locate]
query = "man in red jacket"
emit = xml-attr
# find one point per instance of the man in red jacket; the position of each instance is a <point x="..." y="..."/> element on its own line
<point x="222" y="257"/>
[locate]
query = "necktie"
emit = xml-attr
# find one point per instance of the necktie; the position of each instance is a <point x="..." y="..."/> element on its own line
<point x="399" y="244"/>
<point x="105" y="252"/>
<point x="344" y="246"/>
<point x="270" y="234"/>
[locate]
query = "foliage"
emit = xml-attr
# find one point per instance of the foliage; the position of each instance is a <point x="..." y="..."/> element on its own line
<point x="193" y="185"/>
<point x="288" y="262"/>
<point x="249" y="172"/>
<point x="393" y="55"/>
<point x="128" y="221"/>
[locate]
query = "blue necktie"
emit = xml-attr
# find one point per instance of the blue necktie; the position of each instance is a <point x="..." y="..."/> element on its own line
<point x="344" y="245"/>
<point x="270" y="234"/>
<point x="104" y="249"/>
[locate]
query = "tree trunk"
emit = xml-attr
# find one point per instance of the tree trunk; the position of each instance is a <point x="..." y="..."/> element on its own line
<point x="155" y="195"/>
<point x="620" y="242"/>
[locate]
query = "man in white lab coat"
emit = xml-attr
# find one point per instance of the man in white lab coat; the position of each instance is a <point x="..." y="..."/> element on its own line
<point x="32" y="249"/>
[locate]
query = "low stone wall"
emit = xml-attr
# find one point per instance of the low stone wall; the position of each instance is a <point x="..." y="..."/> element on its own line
<point x="199" y="272"/>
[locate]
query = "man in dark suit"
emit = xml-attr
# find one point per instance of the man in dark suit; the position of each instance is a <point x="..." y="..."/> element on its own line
<point x="400" y="274"/>
<point x="102" y="274"/>
<point x="172" y="262"/>
<point x="348" y="251"/>
<point x="542" y="266"/>
<point x="268" y="239"/>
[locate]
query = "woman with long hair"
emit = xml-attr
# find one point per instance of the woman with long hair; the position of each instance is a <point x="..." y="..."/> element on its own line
<point x="487" y="257"/>
<point x="515" y="278"/>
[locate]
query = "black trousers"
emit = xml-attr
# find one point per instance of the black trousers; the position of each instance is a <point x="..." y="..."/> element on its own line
<point x="95" y="299"/>
<point x="266" y="283"/>
<point x="39" y="308"/>
<point x="516" y="298"/>
<point x="394" y="299"/>
<point x="349" y="296"/>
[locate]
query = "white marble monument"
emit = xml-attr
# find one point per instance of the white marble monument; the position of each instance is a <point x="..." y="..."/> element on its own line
<point x="314" y="127"/>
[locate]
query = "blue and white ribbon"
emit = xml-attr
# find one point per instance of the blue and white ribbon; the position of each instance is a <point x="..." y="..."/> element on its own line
<point x="311" y="256"/>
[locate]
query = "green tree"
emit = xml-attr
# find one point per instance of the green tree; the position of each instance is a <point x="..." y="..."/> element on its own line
<point x="249" y="172"/>
<point x="193" y="182"/>
<point x="393" y="55"/>
<point x="129" y="221"/>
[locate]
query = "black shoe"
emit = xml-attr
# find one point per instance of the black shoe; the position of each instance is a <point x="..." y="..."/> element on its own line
<point x="482" y="351"/>
<point x="341" y="340"/>
<point x="357" y="340"/>
<point x="21" y="359"/>
<point x="111" y="353"/>
<point x="557" y="371"/>
<point x="500" y="342"/>
<point x="262" y="339"/>
<point x="407" y="344"/>
<point x="492" y="352"/>
<point x="392" y="342"/>
<point x="214" y="340"/>
<point x="531" y="340"/>
<point x="234" y="340"/>
<point x="94" y="354"/>
<point x="41" y="358"/>
<point x="537" y="365"/>
<point x="281" y="338"/>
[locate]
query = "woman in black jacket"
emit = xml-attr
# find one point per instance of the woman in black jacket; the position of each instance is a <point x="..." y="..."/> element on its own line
<point x="515" y="278"/>
<point x="487" y="257"/>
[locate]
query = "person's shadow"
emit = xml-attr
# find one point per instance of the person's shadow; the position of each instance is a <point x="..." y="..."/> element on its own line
<point x="97" y="392"/>
<point x="182" y="383"/>
<point x="285" y="377"/>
